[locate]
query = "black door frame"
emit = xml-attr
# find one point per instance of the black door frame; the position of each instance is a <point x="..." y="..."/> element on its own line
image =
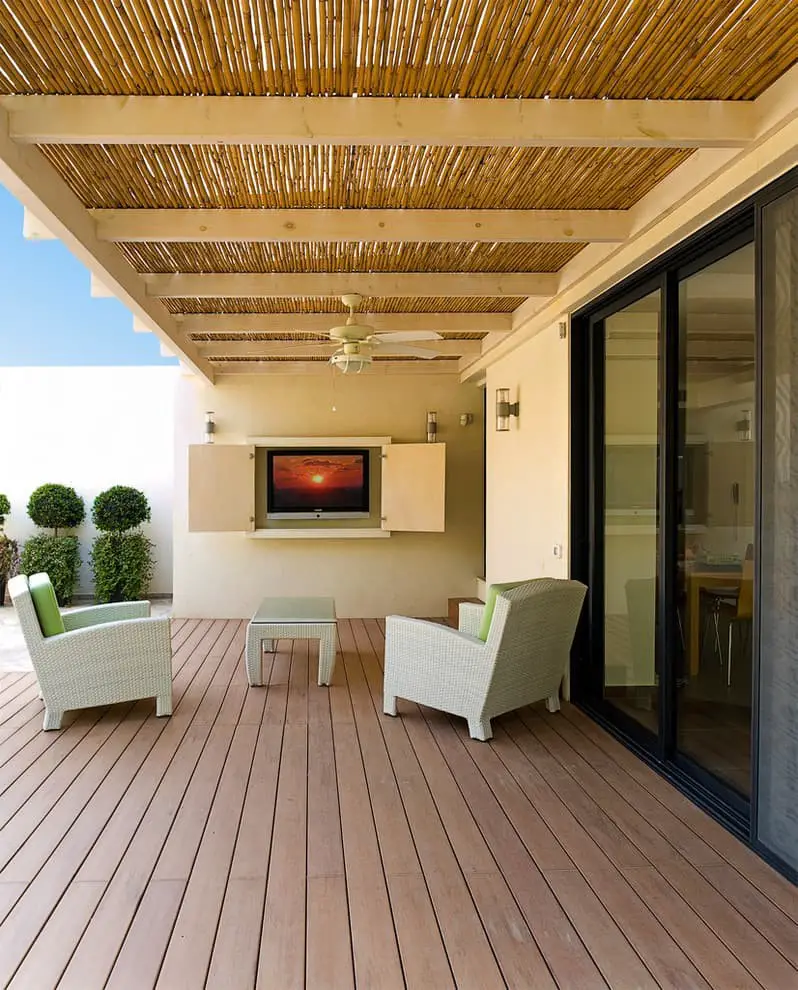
<point x="739" y="226"/>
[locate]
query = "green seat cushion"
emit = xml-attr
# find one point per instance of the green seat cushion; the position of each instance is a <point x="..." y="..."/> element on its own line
<point x="490" y="605"/>
<point x="44" y="601"/>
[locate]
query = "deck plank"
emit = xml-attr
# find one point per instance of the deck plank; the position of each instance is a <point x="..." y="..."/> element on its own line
<point x="292" y="835"/>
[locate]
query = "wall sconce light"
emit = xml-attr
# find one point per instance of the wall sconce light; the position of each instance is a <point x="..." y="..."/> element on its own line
<point x="743" y="426"/>
<point x="210" y="427"/>
<point x="432" y="427"/>
<point x="466" y="419"/>
<point x="504" y="409"/>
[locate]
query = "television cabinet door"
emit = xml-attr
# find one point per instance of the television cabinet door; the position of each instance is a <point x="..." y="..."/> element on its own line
<point x="414" y="487"/>
<point x="221" y="488"/>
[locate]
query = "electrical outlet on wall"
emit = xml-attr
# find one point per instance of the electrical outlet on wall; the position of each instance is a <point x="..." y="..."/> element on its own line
<point x="558" y="551"/>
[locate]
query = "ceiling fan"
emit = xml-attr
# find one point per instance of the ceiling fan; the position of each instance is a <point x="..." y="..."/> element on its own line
<point x="354" y="341"/>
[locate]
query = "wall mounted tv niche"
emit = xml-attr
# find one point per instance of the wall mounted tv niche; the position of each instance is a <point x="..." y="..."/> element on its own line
<point x="317" y="484"/>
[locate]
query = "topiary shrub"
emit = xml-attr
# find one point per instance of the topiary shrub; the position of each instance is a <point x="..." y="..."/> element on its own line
<point x="5" y="508"/>
<point x="56" y="507"/>
<point x="57" y="556"/>
<point x="121" y="561"/>
<point x="120" y="508"/>
<point x="122" y="564"/>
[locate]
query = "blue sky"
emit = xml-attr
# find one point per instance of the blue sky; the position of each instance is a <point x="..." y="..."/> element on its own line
<point x="47" y="316"/>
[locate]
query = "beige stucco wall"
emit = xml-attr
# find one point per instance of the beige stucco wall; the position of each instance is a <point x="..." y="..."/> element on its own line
<point x="90" y="428"/>
<point x="528" y="466"/>
<point x="226" y="574"/>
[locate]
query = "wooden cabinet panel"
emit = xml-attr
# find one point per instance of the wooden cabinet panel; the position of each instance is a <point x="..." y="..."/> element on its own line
<point x="414" y="487"/>
<point x="221" y="488"/>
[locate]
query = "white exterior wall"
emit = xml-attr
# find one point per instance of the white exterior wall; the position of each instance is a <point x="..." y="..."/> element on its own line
<point x="90" y="428"/>
<point x="225" y="575"/>
<point x="528" y="466"/>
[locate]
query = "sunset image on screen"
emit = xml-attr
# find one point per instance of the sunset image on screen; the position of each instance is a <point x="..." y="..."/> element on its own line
<point x="316" y="481"/>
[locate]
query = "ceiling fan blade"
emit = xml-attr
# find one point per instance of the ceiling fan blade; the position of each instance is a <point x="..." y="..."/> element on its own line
<point x="406" y="336"/>
<point x="406" y="350"/>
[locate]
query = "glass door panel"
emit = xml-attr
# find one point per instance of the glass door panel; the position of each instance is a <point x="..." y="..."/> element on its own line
<point x="631" y="508"/>
<point x="715" y="517"/>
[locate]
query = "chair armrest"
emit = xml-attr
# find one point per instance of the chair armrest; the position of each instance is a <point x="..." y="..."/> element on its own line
<point x="416" y="648"/>
<point x="95" y="615"/>
<point x="124" y="642"/>
<point x="470" y="617"/>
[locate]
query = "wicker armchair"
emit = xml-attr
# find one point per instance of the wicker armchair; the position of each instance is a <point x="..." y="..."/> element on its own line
<point x="109" y="653"/>
<point x="522" y="661"/>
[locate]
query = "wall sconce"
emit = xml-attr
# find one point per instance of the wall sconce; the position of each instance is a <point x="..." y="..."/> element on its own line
<point x="504" y="409"/>
<point x="743" y="426"/>
<point x="432" y="427"/>
<point x="466" y="419"/>
<point x="210" y="427"/>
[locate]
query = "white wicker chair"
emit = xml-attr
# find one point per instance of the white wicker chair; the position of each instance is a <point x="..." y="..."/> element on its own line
<point x="523" y="660"/>
<point x="109" y="653"/>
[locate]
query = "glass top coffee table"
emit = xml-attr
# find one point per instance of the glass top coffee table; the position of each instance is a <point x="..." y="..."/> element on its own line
<point x="291" y="618"/>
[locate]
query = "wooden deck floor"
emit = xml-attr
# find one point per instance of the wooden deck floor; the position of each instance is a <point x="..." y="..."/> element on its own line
<point x="294" y="837"/>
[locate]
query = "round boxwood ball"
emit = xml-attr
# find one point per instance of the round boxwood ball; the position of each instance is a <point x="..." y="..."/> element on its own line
<point x="56" y="507"/>
<point x="120" y="508"/>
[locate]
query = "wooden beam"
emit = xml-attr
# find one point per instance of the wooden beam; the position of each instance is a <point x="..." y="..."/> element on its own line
<point x="301" y="284"/>
<point x="298" y="350"/>
<point x="27" y="174"/>
<point x="313" y="120"/>
<point x="321" y="322"/>
<point x="267" y="367"/>
<point x="33" y="229"/>
<point x="352" y="226"/>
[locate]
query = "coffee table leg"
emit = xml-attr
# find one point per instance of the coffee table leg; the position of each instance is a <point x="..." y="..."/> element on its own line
<point x="326" y="655"/>
<point x="255" y="642"/>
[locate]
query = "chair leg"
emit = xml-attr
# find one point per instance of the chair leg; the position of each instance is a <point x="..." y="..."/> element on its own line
<point x="389" y="704"/>
<point x="163" y="705"/>
<point x="52" y="719"/>
<point x="480" y="729"/>
<point x="553" y="702"/>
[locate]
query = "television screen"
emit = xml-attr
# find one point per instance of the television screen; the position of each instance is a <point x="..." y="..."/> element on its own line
<point x="314" y="483"/>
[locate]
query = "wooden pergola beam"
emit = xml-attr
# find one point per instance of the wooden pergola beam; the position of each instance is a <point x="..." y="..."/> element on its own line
<point x="301" y="284"/>
<point x="299" y="350"/>
<point x="379" y="121"/>
<point x="252" y="226"/>
<point x="321" y="322"/>
<point x="27" y="174"/>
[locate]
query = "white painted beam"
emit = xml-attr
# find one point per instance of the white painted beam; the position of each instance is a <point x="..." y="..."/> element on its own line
<point x="353" y="226"/>
<point x="267" y="367"/>
<point x="33" y="229"/>
<point x="301" y="284"/>
<point x="98" y="289"/>
<point x="139" y="327"/>
<point x="499" y="323"/>
<point x="376" y="120"/>
<point x="298" y="350"/>
<point x="27" y="174"/>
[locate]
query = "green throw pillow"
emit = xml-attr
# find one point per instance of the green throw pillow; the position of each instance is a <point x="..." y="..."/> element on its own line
<point x="44" y="601"/>
<point x="490" y="605"/>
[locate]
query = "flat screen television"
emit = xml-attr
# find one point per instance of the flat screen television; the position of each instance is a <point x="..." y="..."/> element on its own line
<point x="317" y="484"/>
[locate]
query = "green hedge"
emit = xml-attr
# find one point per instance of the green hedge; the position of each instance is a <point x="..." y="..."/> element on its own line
<point x="57" y="556"/>
<point x="56" y="507"/>
<point x="120" y="508"/>
<point x="123" y="565"/>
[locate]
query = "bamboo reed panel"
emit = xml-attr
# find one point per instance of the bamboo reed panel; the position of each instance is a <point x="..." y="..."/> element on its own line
<point x="625" y="49"/>
<point x="234" y="358"/>
<point x="384" y="177"/>
<point x="372" y="304"/>
<point x="302" y="337"/>
<point x="348" y="257"/>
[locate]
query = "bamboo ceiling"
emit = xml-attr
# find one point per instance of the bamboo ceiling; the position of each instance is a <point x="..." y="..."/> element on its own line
<point x="671" y="49"/>
<point x="252" y="336"/>
<point x="371" y="304"/>
<point x="349" y="257"/>
<point x="382" y="177"/>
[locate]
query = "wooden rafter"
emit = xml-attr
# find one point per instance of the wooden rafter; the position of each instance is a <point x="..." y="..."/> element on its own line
<point x="264" y="225"/>
<point x="321" y="322"/>
<point x="29" y="176"/>
<point x="288" y="348"/>
<point x="285" y="120"/>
